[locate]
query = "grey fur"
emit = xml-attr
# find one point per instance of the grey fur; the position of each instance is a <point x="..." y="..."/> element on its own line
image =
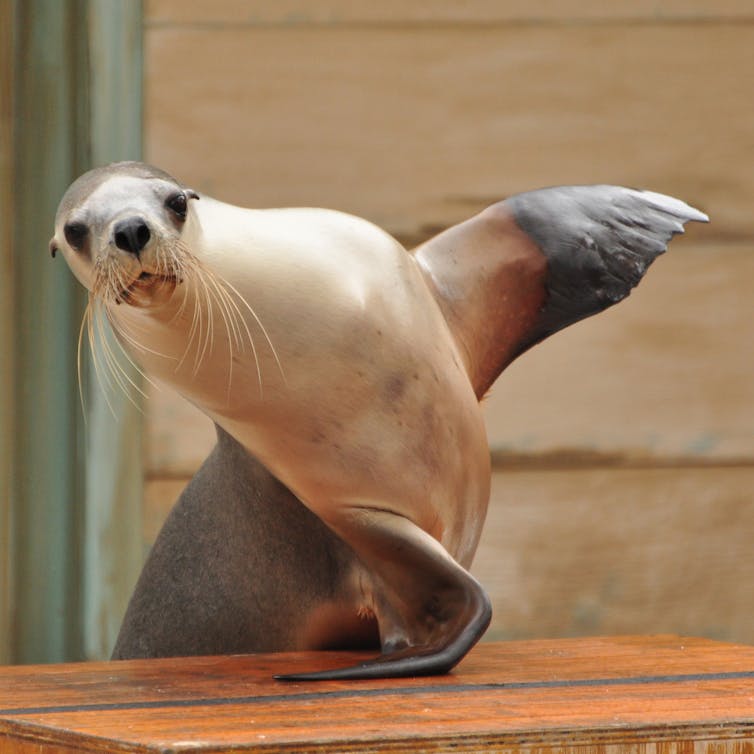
<point x="239" y="566"/>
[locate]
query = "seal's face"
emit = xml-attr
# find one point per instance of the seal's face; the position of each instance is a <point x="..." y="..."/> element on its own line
<point x="120" y="229"/>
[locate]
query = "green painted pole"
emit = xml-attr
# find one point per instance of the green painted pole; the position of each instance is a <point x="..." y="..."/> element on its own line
<point x="7" y="311"/>
<point x="47" y="480"/>
<point x="74" y="493"/>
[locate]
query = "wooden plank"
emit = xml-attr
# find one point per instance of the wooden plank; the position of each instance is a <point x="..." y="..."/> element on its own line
<point x="416" y="129"/>
<point x="34" y="747"/>
<point x="339" y="12"/>
<point x="664" y="376"/>
<point x="605" y="550"/>
<point x="521" y="696"/>
<point x="178" y="437"/>
<point x="159" y="497"/>
<point x="601" y="551"/>
<point x="323" y="116"/>
<point x="446" y="108"/>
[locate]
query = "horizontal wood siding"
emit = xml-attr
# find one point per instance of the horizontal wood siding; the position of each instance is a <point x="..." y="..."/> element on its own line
<point x="434" y="12"/>
<point x="417" y="129"/>
<point x="632" y="433"/>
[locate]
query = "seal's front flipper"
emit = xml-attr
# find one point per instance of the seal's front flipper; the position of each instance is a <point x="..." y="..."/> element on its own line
<point x="598" y="242"/>
<point x="429" y="609"/>
<point x="533" y="264"/>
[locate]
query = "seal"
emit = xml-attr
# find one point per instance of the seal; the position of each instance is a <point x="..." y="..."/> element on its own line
<point x="350" y="370"/>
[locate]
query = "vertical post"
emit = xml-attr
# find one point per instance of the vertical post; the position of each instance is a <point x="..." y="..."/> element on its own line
<point x="73" y="502"/>
<point x="6" y="326"/>
<point x="47" y="492"/>
<point x="114" y="478"/>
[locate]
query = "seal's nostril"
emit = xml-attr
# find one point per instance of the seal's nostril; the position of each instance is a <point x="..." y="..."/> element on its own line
<point x="131" y="234"/>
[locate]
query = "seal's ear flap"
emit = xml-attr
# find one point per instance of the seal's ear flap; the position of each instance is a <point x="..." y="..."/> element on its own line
<point x="53" y="247"/>
<point x="191" y="194"/>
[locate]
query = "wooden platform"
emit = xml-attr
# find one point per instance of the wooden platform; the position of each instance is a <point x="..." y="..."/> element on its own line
<point x="651" y="694"/>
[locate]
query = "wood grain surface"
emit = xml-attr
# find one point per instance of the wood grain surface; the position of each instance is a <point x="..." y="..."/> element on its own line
<point x="664" y="692"/>
<point x="419" y="126"/>
<point x="664" y="376"/>
<point x="575" y="552"/>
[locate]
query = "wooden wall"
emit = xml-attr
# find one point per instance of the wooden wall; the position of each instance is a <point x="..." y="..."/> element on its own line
<point x="623" y="495"/>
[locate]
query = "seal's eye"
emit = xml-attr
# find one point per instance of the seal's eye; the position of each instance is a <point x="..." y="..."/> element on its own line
<point x="75" y="234"/>
<point x="177" y="204"/>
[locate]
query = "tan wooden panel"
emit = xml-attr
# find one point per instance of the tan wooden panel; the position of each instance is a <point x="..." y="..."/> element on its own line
<point x="416" y="129"/>
<point x="567" y="553"/>
<point x="419" y="127"/>
<point x="178" y="437"/>
<point x="303" y="12"/>
<point x="159" y="497"/>
<point x="666" y="374"/>
<point x="666" y="108"/>
<point x="603" y="551"/>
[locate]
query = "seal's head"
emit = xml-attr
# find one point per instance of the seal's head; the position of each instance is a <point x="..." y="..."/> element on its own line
<point x="120" y="229"/>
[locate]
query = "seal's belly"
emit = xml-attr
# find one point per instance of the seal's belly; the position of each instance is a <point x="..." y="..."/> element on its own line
<point x="410" y="440"/>
<point x="374" y="411"/>
<point x="353" y="393"/>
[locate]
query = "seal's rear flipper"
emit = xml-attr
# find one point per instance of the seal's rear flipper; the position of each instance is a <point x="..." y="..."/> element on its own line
<point x="429" y="609"/>
<point x="535" y="263"/>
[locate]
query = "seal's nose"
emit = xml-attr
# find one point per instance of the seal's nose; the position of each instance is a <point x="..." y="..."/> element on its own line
<point x="131" y="234"/>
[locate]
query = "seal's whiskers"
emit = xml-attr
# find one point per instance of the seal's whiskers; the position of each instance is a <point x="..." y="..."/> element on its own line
<point x="231" y="330"/>
<point x="251" y="311"/>
<point x="108" y="369"/>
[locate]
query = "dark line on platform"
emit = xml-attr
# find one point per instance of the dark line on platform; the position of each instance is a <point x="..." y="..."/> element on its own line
<point x="367" y="693"/>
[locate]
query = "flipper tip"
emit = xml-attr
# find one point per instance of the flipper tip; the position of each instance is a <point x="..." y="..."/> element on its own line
<point x="674" y="206"/>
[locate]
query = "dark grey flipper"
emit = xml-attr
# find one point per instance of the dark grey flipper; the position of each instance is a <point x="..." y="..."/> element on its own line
<point x="598" y="241"/>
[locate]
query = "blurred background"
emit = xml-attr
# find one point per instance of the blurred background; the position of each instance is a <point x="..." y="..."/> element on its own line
<point x="623" y="449"/>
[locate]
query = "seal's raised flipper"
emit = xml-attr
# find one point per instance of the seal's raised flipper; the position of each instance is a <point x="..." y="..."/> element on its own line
<point x="537" y="262"/>
<point x="429" y="609"/>
<point x="599" y="242"/>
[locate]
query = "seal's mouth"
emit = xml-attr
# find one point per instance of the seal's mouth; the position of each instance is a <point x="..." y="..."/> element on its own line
<point x="147" y="289"/>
